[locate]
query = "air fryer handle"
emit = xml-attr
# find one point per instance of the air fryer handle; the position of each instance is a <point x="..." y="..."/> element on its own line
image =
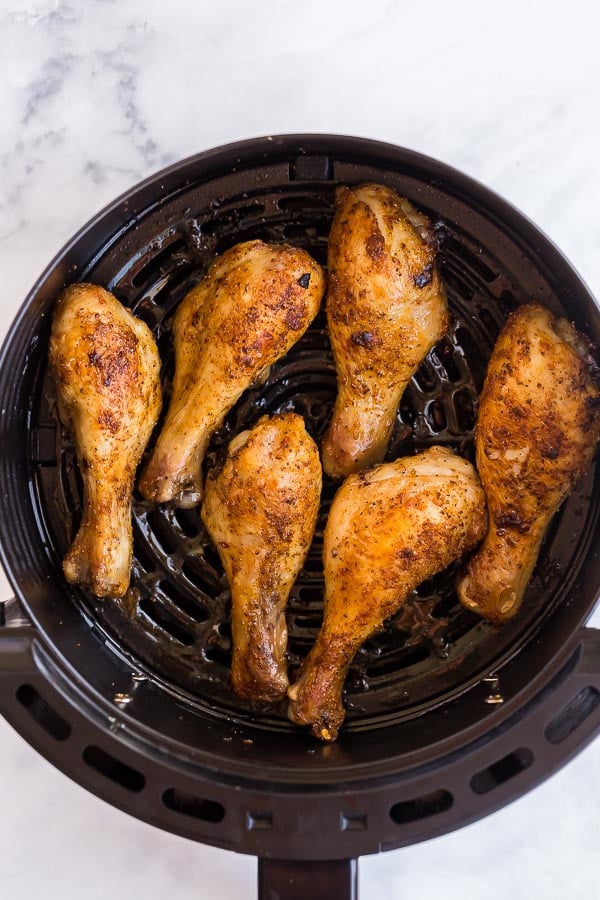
<point x="296" y="880"/>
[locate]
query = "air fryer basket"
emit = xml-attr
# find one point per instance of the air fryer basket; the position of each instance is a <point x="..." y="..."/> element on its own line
<point x="448" y="717"/>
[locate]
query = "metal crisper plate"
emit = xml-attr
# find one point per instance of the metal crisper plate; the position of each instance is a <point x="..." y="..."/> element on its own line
<point x="175" y="620"/>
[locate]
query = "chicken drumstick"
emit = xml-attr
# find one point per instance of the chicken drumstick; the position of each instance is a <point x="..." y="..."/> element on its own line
<point x="107" y="372"/>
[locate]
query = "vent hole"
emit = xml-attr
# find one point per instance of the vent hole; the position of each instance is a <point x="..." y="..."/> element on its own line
<point x="206" y="581"/>
<point x="166" y="351"/>
<point x="225" y="629"/>
<point x="310" y="594"/>
<point x="397" y="661"/>
<point x="443" y="607"/>
<point x="508" y="301"/>
<point x="217" y="654"/>
<point x="146" y="309"/>
<point x="215" y="225"/>
<point x="456" y="284"/>
<point x="188" y="521"/>
<point x="224" y="221"/>
<point x="143" y="555"/>
<point x="253" y="209"/>
<point x="426" y="589"/>
<point x="425" y="378"/>
<point x="464" y="622"/>
<point x="310" y="622"/>
<point x="299" y="646"/>
<point x="473" y="261"/>
<point x="174" y="281"/>
<point x="465" y="410"/>
<point x="421" y="807"/>
<point x="476" y="355"/>
<point x="194" y="610"/>
<point x="193" y="806"/>
<point x="314" y="562"/>
<point x="445" y="354"/>
<point x="572" y="715"/>
<point x="42" y="713"/>
<point x="302" y="203"/>
<point x="502" y="771"/>
<point x="112" y="768"/>
<point x="165" y="621"/>
<point x="253" y="232"/>
<point x="157" y="262"/>
<point x="436" y="415"/>
<point x="299" y="231"/>
<point x="490" y="323"/>
<point x="212" y="558"/>
<point x="318" y="250"/>
<point x="161" y="533"/>
<point x="407" y="412"/>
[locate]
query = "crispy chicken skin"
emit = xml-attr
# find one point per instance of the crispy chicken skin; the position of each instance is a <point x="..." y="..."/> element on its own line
<point x="261" y="511"/>
<point x="389" y="528"/>
<point x="255" y="302"/>
<point x="107" y="372"/>
<point x="386" y="308"/>
<point x="538" y="425"/>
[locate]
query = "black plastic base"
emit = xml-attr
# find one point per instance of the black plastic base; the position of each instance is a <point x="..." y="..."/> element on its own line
<point x="527" y="739"/>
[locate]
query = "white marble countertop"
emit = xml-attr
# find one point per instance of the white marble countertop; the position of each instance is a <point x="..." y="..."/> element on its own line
<point x="96" y="96"/>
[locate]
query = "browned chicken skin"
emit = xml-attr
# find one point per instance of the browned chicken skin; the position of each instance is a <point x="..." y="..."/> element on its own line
<point x="255" y="302"/>
<point x="389" y="529"/>
<point x="386" y="308"/>
<point x="261" y="511"/>
<point x="538" y="425"/>
<point x="107" y="373"/>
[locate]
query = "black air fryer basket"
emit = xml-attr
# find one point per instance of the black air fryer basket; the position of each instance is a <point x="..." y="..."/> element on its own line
<point x="448" y="717"/>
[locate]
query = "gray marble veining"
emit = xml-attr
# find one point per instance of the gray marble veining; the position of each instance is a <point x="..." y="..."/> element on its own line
<point x="95" y="96"/>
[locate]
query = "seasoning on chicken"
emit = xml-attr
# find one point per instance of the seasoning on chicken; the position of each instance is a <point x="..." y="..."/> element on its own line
<point x="107" y="372"/>
<point x="389" y="529"/>
<point x="261" y="512"/>
<point x="386" y="308"/>
<point x="255" y="302"/>
<point x="537" y="430"/>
